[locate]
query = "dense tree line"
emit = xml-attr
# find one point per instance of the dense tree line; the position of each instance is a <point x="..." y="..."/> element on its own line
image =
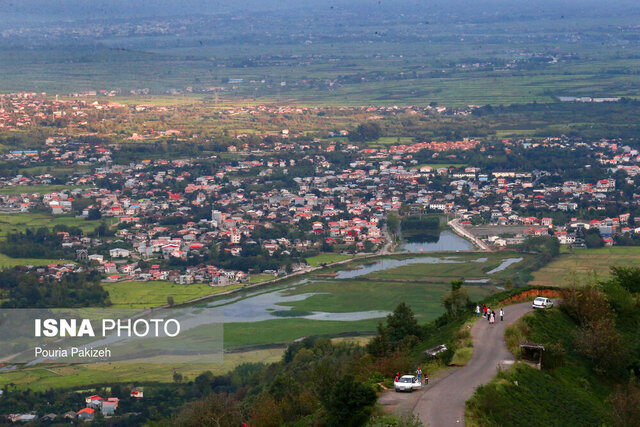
<point x="28" y="290"/>
<point x="41" y="243"/>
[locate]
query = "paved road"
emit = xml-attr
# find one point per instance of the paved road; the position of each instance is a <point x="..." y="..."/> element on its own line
<point x="442" y="403"/>
<point x="458" y="228"/>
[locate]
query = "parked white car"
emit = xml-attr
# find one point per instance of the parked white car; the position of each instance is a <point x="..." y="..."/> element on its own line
<point x="407" y="383"/>
<point x="542" y="302"/>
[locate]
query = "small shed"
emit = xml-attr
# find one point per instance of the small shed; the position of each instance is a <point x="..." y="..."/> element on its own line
<point x="433" y="352"/>
<point x="532" y="352"/>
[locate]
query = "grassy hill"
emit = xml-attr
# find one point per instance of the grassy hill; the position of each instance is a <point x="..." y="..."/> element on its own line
<point x="592" y="346"/>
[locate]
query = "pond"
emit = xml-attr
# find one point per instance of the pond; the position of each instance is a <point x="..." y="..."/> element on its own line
<point x="446" y="241"/>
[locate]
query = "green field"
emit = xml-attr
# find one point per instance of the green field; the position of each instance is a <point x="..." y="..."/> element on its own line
<point x="326" y="258"/>
<point x="445" y="272"/>
<point x="579" y="264"/>
<point x="155" y="293"/>
<point x="391" y="140"/>
<point x="32" y="189"/>
<point x="83" y="375"/>
<point x="8" y="262"/>
<point x="259" y="278"/>
<point x="285" y="331"/>
<point x="21" y="221"/>
<point x="421" y="286"/>
<point x="352" y="295"/>
<point x="440" y="165"/>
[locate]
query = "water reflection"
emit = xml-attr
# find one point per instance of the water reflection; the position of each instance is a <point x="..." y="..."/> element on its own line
<point x="447" y="241"/>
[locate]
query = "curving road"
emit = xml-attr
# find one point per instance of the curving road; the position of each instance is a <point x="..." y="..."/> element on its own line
<point x="441" y="404"/>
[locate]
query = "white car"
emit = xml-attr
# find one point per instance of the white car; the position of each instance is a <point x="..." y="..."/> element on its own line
<point x="407" y="383"/>
<point x="542" y="302"/>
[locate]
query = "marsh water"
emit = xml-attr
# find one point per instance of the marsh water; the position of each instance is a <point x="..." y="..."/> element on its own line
<point x="271" y="303"/>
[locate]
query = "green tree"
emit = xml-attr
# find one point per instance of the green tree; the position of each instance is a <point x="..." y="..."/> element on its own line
<point x="457" y="301"/>
<point x="94" y="214"/>
<point x="379" y="345"/>
<point x="627" y="277"/>
<point x="368" y="131"/>
<point x="350" y="403"/>
<point x="402" y="323"/>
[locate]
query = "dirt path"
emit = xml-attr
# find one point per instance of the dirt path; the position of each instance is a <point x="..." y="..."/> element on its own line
<point x="442" y="403"/>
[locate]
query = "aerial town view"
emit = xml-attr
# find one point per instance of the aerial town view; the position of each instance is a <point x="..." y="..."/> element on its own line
<point x="320" y="213"/>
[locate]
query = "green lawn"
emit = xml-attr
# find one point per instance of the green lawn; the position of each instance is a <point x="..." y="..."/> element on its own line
<point x="155" y="293"/>
<point x="326" y="258"/>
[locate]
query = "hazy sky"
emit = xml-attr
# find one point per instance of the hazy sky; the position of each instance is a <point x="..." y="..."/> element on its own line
<point x="118" y="9"/>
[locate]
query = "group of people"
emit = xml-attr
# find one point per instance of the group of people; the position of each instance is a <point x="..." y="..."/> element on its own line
<point x="489" y="314"/>
<point x="418" y="376"/>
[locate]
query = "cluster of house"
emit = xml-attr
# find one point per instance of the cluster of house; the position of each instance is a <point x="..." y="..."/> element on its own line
<point x="23" y="109"/>
<point x="157" y="205"/>
<point x="94" y="404"/>
<point x="567" y="234"/>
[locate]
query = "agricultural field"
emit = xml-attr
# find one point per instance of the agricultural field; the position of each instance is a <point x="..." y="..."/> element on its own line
<point x="260" y="278"/>
<point x="33" y="189"/>
<point x="585" y="264"/>
<point x="440" y="165"/>
<point x="326" y="258"/>
<point x="8" y="262"/>
<point x="421" y="286"/>
<point x="475" y="267"/>
<point x="155" y="293"/>
<point x="83" y="375"/>
<point x="284" y="331"/>
<point x="21" y="221"/>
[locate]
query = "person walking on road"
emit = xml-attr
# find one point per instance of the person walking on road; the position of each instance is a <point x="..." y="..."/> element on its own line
<point x="489" y="314"/>
<point x="484" y="310"/>
<point x="419" y="375"/>
<point x="477" y="310"/>
<point x="397" y="376"/>
<point x="501" y="314"/>
<point x="492" y="318"/>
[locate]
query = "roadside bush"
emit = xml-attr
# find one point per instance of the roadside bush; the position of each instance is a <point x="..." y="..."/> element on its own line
<point x="603" y="345"/>
<point x="350" y="403"/>
<point x="586" y="304"/>
<point x="625" y="404"/>
<point x="553" y="356"/>
<point x="514" y="335"/>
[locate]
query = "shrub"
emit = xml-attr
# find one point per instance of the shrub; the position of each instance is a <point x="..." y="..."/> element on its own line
<point x="625" y="403"/>
<point x="602" y="344"/>
<point x="553" y="356"/>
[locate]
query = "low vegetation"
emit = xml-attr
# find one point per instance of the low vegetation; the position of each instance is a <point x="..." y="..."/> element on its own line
<point x="154" y="293"/>
<point x="589" y="375"/>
